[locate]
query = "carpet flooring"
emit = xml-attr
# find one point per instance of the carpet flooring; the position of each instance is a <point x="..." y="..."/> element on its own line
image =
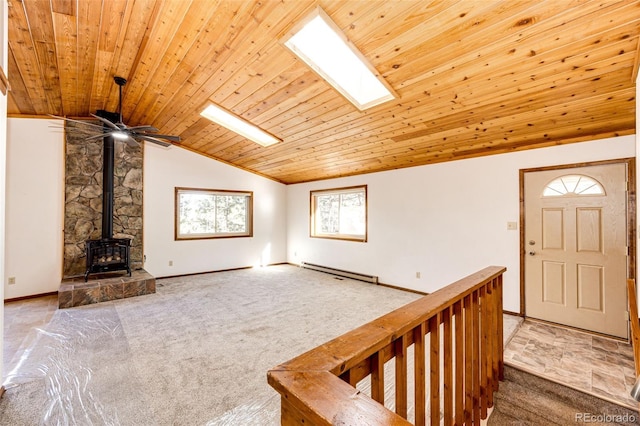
<point x="196" y="352"/>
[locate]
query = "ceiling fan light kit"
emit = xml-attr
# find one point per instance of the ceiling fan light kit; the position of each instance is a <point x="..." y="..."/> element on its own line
<point x="119" y="135"/>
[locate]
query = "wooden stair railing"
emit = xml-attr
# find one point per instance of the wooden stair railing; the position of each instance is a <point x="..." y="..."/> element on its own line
<point x="635" y="323"/>
<point x="458" y="327"/>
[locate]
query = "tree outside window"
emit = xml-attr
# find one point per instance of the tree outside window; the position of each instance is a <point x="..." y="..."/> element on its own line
<point x="339" y="213"/>
<point x="209" y="213"/>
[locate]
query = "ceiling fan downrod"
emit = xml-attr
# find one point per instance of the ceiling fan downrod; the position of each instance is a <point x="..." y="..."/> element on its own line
<point x="120" y="81"/>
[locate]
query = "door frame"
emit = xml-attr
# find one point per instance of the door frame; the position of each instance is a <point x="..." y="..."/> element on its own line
<point x="631" y="215"/>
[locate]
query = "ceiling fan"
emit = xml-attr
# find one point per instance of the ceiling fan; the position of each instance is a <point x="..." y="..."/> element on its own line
<point x="120" y="131"/>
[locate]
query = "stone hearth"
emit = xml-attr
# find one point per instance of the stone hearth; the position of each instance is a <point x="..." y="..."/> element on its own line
<point x="104" y="287"/>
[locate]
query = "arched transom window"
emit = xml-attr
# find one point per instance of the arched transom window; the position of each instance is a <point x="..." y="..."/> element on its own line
<point x="572" y="185"/>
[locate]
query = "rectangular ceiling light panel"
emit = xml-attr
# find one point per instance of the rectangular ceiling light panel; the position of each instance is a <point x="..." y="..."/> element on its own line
<point x="322" y="46"/>
<point x="238" y="125"/>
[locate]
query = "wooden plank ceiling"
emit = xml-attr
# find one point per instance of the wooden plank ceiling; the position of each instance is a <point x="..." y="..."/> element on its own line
<point x="474" y="77"/>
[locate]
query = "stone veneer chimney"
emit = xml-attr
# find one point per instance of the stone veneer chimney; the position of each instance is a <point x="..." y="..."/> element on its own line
<point x="84" y="198"/>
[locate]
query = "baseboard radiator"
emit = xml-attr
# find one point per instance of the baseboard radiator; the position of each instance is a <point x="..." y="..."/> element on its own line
<point x="347" y="274"/>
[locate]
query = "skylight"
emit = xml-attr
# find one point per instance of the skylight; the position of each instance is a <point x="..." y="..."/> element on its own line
<point x="238" y="125"/>
<point x="322" y="46"/>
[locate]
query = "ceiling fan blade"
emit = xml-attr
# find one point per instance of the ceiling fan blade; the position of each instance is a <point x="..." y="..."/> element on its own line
<point x="86" y="123"/>
<point x="167" y="137"/>
<point x="101" y="136"/>
<point x="153" y="140"/>
<point x="107" y="122"/>
<point x="132" y="142"/>
<point x="143" y="128"/>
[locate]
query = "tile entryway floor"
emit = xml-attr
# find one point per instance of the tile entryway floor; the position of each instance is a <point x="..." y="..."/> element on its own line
<point x="597" y="365"/>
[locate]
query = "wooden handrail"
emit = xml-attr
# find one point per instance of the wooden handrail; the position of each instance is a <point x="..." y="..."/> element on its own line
<point x="635" y="323"/>
<point x="318" y="387"/>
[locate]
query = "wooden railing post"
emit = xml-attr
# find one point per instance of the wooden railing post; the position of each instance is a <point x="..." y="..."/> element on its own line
<point x="497" y="282"/>
<point x="460" y="371"/>
<point x="401" y="376"/>
<point x="377" y="378"/>
<point x="434" y="360"/>
<point x="468" y="356"/>
<point x="419" y="373"/>
<point x="448" y="365"/>
<point x="484" y="353"/>
<point x="476" y="357"/>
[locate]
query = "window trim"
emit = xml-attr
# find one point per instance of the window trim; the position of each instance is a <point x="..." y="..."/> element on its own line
<point x="181" y="237"/>
<point x="343" y="237"/>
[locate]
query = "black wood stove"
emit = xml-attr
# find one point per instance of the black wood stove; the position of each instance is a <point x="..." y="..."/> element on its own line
<point x="107" y="254"/>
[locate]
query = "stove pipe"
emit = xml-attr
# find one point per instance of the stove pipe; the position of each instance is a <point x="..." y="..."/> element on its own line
<point x="108" y="170"/>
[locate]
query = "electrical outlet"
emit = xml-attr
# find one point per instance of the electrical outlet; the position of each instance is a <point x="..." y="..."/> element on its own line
<point x="417" y="274"/>
<point x="12" y="280"/>
<point x="171" y="263"/>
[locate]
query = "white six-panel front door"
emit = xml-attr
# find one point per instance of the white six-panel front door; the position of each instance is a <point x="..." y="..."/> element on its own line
<point x="576" y="247"/>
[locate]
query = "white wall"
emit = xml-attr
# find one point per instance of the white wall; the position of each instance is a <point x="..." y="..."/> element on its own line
<point x="445" y="220"/>
<point x="35" y="207"/>
<point x="167" y="168"/>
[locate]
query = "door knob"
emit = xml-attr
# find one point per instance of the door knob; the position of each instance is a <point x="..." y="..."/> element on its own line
<point x="532" y="253"/>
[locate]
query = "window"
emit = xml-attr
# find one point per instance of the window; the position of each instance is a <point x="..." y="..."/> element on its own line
<point x="211" y="213"/>
<point x="571" y="185"/>
<point x="340" y="213"/>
